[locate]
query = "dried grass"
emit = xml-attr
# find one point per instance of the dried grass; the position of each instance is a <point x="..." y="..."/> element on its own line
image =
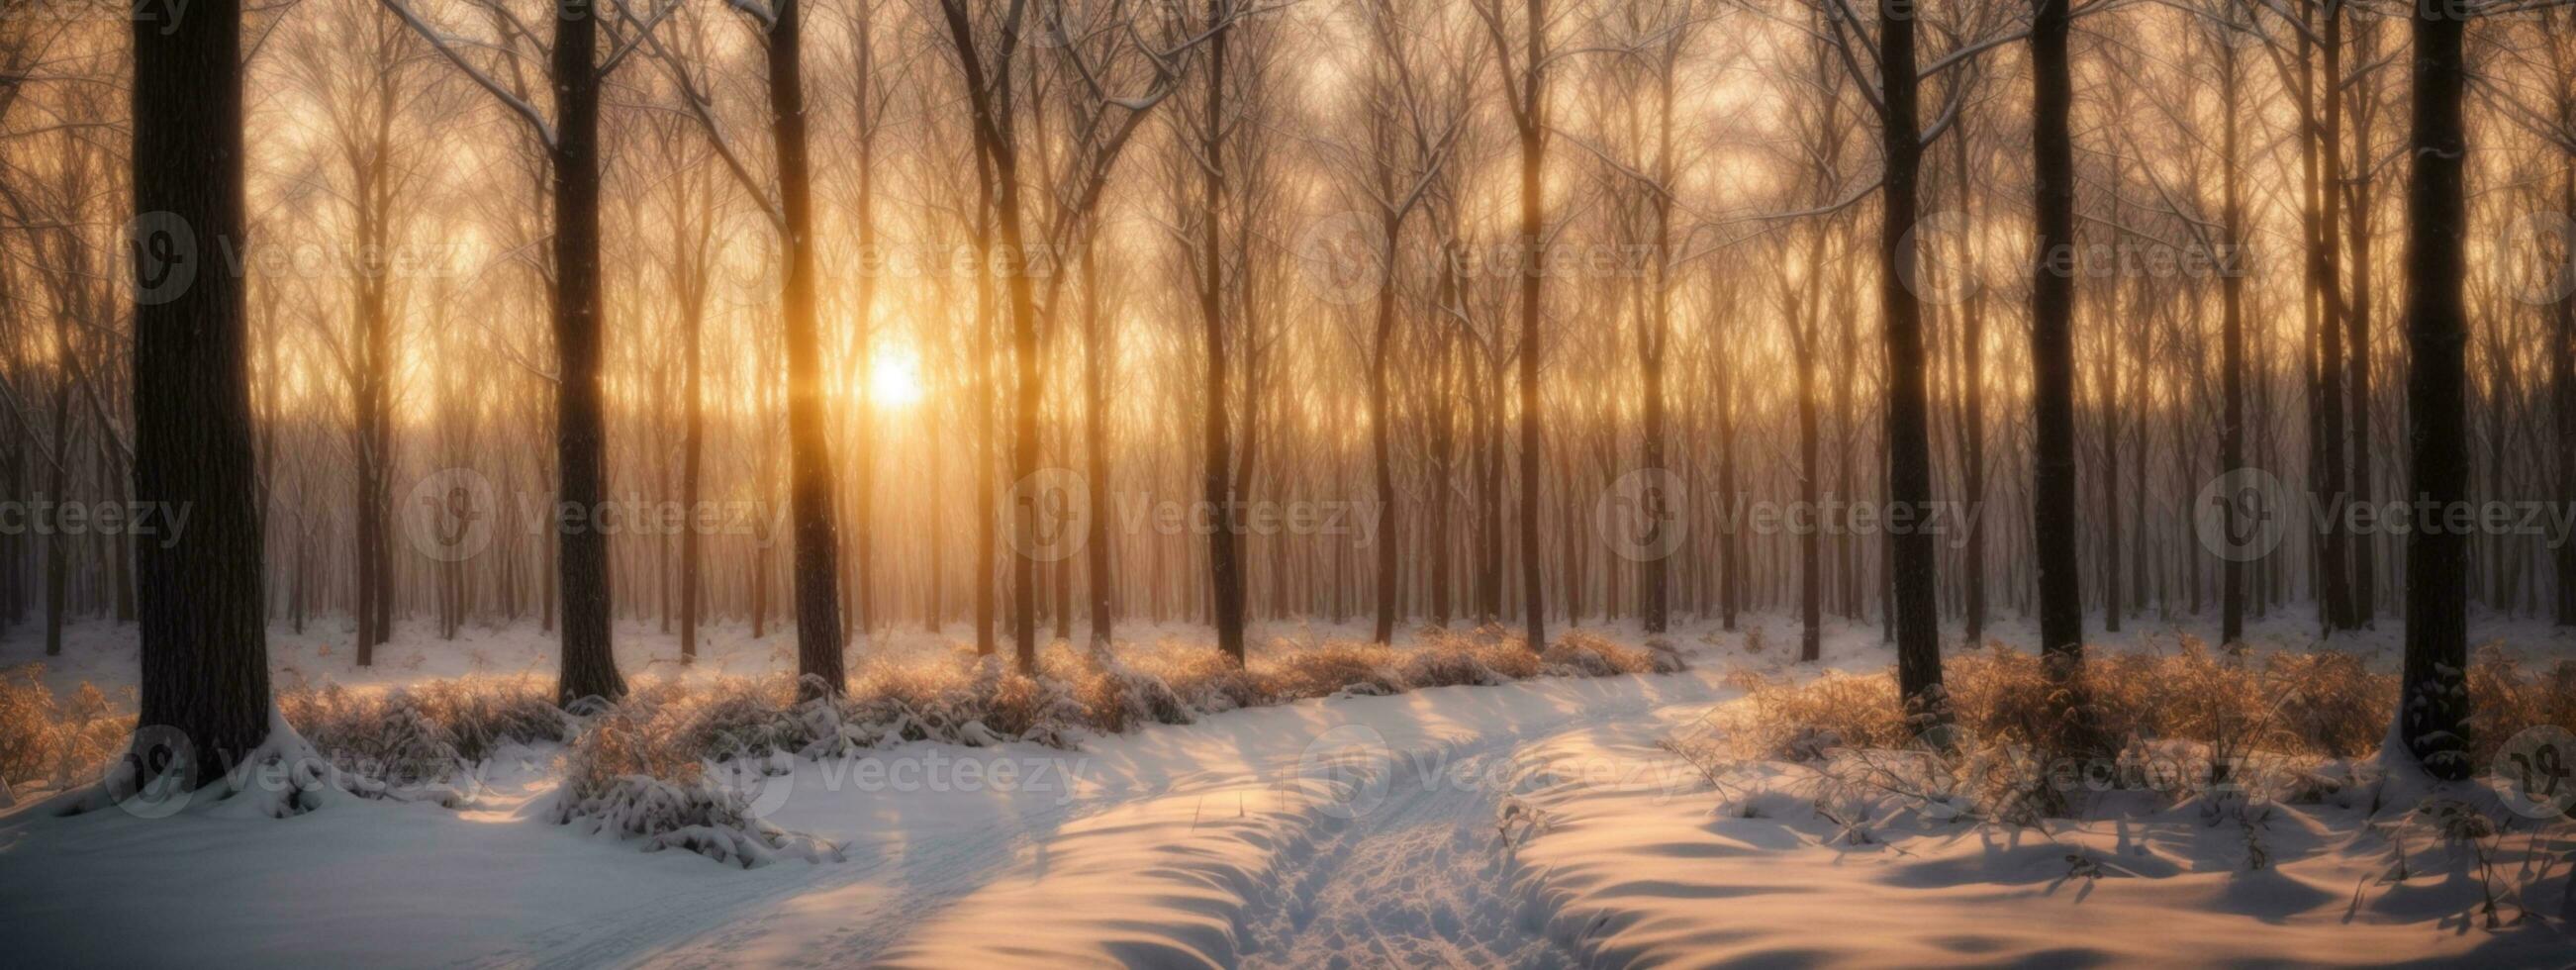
<point x="57" y="742"/>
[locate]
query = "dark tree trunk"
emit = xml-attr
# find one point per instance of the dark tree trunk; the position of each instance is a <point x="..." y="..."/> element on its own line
<point x="1101" y="582"/>
<point x="1911" y="556"/>
<point x="1654" y="604"/>
<point x="2563" y="348"/>
<point x="2322" y="143"/>
<point x="693" y="447"/>
<point x="2231" y="433"/>
<point x="2433" y="711"/>
<point x="810" y="488"/>
<point x="1224" y="565"/>
<point x="2052" y="346"/>
<point x="2357" y="345"/>
<point x="1972" y="431"/>
<point x="2563" y="365"/>
<point x="58" y="545"/>
<point x="1532" y="117"/>
<point x="589" y="666"/>
<point x="204" y="636"/>
<point x="1381" y="437"/>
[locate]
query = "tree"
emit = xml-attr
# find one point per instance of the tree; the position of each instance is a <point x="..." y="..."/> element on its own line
<point x="1225" y="565"/>
<point x="1524" y="78"/>
<point x="2052" y="345"/>
<point x="570" y="141"/>
<point x="812" y="495"/>
<point x="202" y="612"/>
<point x="1909" y="464"/>
<point x="2433" y="706"/>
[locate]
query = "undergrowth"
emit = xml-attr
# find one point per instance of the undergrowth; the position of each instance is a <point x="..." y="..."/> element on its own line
<point x="657" y="766"/>
<point x="2192" y="721"/>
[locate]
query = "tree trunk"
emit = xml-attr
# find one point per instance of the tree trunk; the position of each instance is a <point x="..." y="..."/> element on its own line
<point x="1381" y="447"/>
<point x="2052" y="346"/>
<point x="2433" y="711"/>
<point x="693" y="447"/>
<point x="1911" y="556"/>
<point x="1101" y="582"/>
<point x="810" y="491"/>
<point x="204" y="636"/>
<point x="2231" y="433"/>
<point x="1533" y="129"/>
<point x="1224" y="567"/>
<point x="589" y="666"/>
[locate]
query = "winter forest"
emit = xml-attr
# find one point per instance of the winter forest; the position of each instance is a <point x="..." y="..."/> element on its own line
<point x="1521" y="483"/>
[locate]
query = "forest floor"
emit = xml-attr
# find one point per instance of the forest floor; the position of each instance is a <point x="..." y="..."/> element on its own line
<point x="1539" y="823"/>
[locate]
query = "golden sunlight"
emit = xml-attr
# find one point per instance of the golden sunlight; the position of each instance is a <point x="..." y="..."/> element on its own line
<point x="894" y="378"/>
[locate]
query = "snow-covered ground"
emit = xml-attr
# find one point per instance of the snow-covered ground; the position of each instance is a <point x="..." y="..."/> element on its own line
<point x="1530" y="824"/>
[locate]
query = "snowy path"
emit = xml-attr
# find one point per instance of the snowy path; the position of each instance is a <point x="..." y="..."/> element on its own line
<point x="1420" y="878"/>
<point x="1346" y="832"/>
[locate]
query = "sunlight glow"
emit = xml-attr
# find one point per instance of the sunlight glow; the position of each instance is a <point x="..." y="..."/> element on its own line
<point x="894" y="378"/>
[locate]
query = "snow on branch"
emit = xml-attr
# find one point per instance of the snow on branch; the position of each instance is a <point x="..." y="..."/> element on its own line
<point x="446" y="48"/>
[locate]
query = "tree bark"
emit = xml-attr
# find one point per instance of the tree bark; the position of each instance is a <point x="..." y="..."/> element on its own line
<point x="2433" y="711"/>
<point x="2052" y="346"/>
<point x="1911" y="556"/>
<point x="1224" y="565"/>
<point x="810" y="491"/>
<point x="199" y="601"/>
<point x="588" y="667"/>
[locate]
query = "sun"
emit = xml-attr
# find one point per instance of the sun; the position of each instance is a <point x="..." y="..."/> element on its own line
<point x="894" y="379"/>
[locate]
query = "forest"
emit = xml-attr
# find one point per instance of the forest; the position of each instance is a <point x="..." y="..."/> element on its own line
<point x="1390" y="482"/>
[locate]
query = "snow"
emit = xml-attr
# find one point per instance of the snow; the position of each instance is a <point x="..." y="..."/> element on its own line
<point x="1528" y="824"/>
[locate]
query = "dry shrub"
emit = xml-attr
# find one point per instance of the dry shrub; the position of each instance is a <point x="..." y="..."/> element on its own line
<point x="631" y="772"/>
<point x="2508" y="699"/>
<point x="55" y="742"/>
<point x="1590" y="655"/>
<point x="422" y="733"/>
<point x="1114" y="696"/>
<point x="1804" y="723"/>
<point x="1290" y="673"/>
<point x="1492" y="647"/>
<point x="2320" y="704"/>
<point x="2331" y="702"/>
<point x="1446" y="667"/>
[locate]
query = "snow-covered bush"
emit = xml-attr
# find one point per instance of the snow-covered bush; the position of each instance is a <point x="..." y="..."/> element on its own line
<point x="56" y="743"/>
<point x="1115" y="696"/>
<point x="1579" y="653"/>
<point x="1290" y="672"/>
<point x="2184" y="721"/>
<point x="632" y="772"/>
<point x="421" y="739"/>
<point x="1441" y="666"/>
